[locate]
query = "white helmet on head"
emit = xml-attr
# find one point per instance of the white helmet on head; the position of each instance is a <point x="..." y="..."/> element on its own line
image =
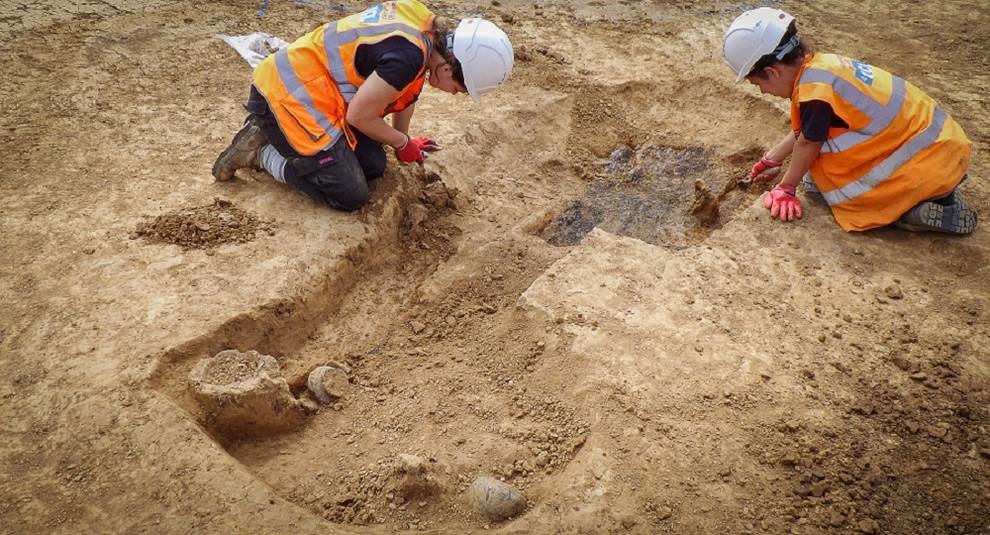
<point x="485" y="55"/>
<point x="753" y="35"/>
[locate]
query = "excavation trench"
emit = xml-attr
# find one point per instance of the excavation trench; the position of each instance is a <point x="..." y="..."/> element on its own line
<point x="444" y="380"/>
<point x="446" y="377"/>
<point x="281" y="327"/>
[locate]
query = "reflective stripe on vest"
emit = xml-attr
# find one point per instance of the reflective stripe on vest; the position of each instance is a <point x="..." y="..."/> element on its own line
<point x="896" y="149"/>
<point x="292" y="84"/>
<point x="880" y="115"/>
<point x="309" y="85"/>
<point x="332" y="41"/>
<point x="893" y="162"/>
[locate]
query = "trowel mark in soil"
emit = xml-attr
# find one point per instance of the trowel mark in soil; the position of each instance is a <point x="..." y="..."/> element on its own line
<point x="204" y="227"/>
<point x="651" y="194"/>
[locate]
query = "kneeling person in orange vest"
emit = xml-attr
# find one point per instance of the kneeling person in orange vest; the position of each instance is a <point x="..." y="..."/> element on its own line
<point x="317" y="108"/>
<point x="874" y="147"/>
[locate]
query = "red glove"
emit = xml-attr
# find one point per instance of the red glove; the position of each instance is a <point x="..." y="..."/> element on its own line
<point x="765" y="169"/>
<point x="415" y="148"/>
<point x="782" y="203"/>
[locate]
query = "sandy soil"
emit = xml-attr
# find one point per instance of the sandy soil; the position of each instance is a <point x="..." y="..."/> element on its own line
<point x="551" y="300"/>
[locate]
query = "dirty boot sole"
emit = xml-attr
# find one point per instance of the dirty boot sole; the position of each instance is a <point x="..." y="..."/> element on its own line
<point x="957" y="218"/>
<point x="241" y="153"/>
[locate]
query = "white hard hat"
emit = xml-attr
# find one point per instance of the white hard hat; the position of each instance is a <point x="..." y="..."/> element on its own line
<point x="485" y="55"/>
<point x="753" y="35"/>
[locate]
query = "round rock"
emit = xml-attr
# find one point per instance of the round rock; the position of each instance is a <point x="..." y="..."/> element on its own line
<point x="327" y="383"/>
<point x="495" y="499"/>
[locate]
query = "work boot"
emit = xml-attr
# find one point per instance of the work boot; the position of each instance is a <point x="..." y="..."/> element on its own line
<point x="951" y="215"/>
<point x="242" y="152"/>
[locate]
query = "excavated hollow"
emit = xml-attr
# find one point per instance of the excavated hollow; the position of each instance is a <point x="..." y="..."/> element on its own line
<point x="646" y="194"/>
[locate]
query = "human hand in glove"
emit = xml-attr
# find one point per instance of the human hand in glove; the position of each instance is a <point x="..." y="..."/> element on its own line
<point x="415" y="149"/>
<point x="765" y="169"/>
<point x="782" y="203"/>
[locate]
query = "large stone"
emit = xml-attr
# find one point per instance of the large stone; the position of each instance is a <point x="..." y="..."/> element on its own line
<point x="495" y="499"/>
<point x="244" y="395"/>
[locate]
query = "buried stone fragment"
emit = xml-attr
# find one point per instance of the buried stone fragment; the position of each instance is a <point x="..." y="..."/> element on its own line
<point x="244" y="395"/>
<point x="495" y="499"/>
<point x="327" y="383"/>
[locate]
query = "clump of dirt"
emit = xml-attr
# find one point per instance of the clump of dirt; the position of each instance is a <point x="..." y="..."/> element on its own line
<point x="400" y="486"/>
<point x="705" y="205"/>
<point x="425" y="227"/>
<point x="204" y="227"/>
<point x="229" y="367"/>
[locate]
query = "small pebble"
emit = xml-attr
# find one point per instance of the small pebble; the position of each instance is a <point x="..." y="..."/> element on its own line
<point x="893" y="292"/>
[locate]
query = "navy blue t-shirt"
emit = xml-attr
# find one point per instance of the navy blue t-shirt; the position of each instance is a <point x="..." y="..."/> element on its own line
<point x="396" y="60"/>
<point x="817" y="117"/>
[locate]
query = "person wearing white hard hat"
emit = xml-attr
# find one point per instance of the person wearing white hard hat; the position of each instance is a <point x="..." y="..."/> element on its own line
<point x="875" y="148"/>
<point x="317" y="108"/>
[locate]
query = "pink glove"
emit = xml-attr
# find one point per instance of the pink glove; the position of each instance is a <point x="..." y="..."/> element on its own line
<point x="782" y="203"/>
<point x="765" y="169"/>
<point x="415" y="148"/>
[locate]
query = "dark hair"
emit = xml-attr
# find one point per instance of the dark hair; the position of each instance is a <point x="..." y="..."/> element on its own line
<point x="800" y="50"/>
<point x="440" y="32"/>
<point x="458" y="73"/>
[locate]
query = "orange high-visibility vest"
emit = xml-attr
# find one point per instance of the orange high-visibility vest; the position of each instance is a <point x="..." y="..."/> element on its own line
<point x="900" y="149"/>
<point x="309" y="84"/>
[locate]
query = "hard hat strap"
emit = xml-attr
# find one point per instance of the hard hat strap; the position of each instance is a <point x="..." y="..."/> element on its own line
<point x="452" y="59"/>
<point x="785" y="48"/>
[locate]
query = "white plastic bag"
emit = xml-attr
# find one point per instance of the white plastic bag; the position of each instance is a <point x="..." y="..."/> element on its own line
<point x="253" y="47"/>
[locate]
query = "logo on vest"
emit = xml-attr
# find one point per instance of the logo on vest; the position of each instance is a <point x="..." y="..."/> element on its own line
<point x="388" y="11"/>
<point x="372" y="14"/>
<point x="863" y="71"/>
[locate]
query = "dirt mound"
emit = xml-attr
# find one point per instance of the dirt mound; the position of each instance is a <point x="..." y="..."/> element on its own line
<point x="424" y="227"/>
<point x="204" y="227"/>
<point x="398" y="487"/>
<point x="705" y="205"/>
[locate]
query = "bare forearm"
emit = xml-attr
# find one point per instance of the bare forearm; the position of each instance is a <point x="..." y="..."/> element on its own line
<point x="783" y="148"/>
<point x="367" y="107"/>
<point x="803" y="154"/>
<point x="401" y="120"/>
<point x="376" y="128"/>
